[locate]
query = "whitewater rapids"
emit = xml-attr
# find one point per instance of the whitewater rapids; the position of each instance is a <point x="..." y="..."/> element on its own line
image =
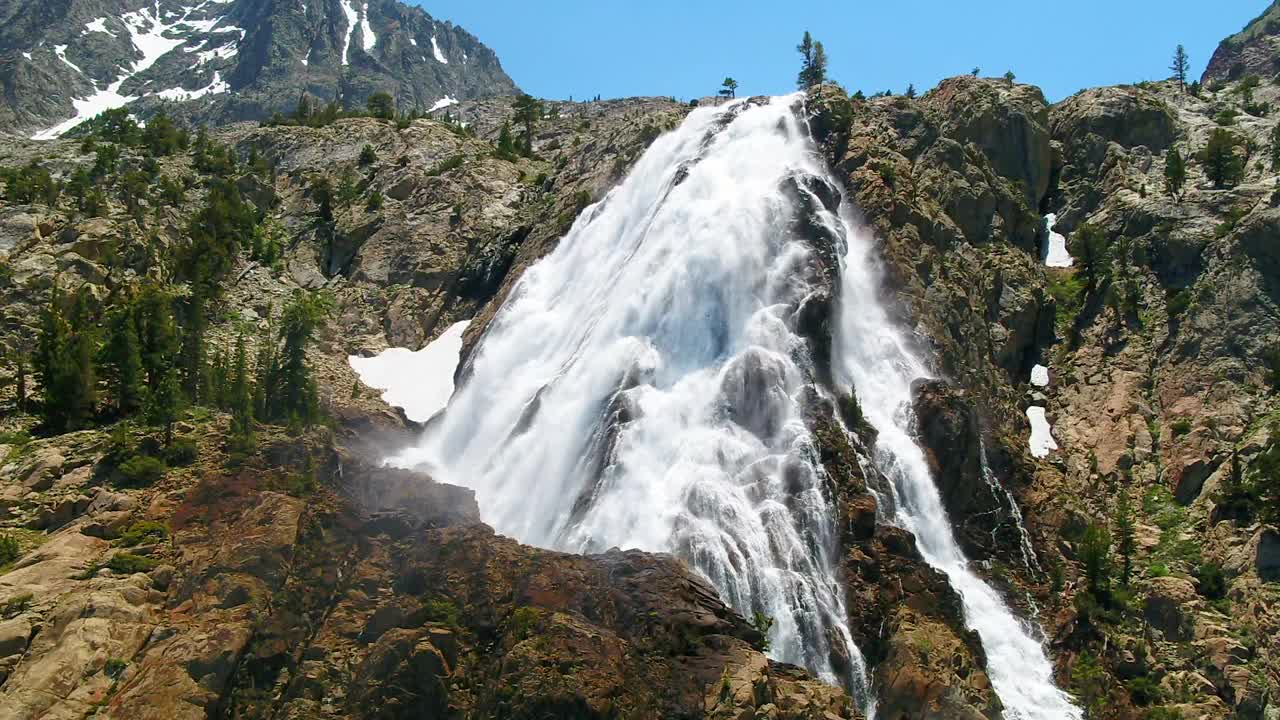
<point x="643" y="386"/>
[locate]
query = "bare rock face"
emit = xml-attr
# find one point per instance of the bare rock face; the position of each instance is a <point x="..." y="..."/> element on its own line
<point x="1252" y="51"/>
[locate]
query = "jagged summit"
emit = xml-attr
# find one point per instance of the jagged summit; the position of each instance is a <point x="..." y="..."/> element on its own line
<point x="217" y="61"/>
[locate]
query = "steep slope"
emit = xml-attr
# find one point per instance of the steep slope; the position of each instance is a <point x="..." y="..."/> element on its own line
<point x="219" y="61"/>
<point x="1255" y="50"/>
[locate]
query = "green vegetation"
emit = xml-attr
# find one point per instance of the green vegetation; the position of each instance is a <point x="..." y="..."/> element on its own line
<point x="762" y="624"/>
<point x="729" y="88"/>
<point x="1221" y="164"/>
<point x="367" y="155"/>
<point x="141" y="471"/>
<point x="128" y="563"/>
<point x="523" y="622"/>
<point x="1175" y="173"/>
<point x="1089" y="681"/>
<point x="10" y="550"/>
<point x="381" y="105"/>
<point x="443" y="611"/>
<point x="813" y="62"/>
<point x="528" y="111"/>
<point x="1180" y="65"/>
<point x="15" y="605"/>
<point x="444" y="166"/>
<point x="144" y="532"/>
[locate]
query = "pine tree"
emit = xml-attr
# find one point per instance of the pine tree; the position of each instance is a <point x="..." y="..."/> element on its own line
<point x="381" y="105"/>
<point x="1181" y="63"/>
<point x="191" y="352"/>
<point x="1126" y="536"/>
<point x="813" y="63"/>
<point x="165" y="402"/>
<point x="1095" y="553"/>
<point x="506" y="143"/>
<point x="1221" y="165"/>
<point x="528" y="113"/>
<point x="911" y="90"/>
<point x="64" y="365"/>
<point x="297" y="402"/>
<point x="1009" y="77"/>
<point x="1175" y="172"/>
<point x="157" y="332"/>
<point x="239" y="397"/>
<point x="1089" y="245"/>
<point x="1275" y="148"/>
<point x="729" y="88"/>
<point x="122" y="361"/>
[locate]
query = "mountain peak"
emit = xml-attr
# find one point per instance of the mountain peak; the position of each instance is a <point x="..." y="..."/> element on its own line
<point x="217" y="61"/>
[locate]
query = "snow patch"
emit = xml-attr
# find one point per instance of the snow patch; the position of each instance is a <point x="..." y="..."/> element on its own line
<point x="99" y="25"/>
<point x="352" y="19"/>
<point x="367" y="38"/>
<point x="216" y="86"/>
<point x="1040" y="376"/>
<point x="1055" y="252"/>
<point x="1041" y="442"/>
<point x="418" y="382"/>
<point x="61" y="52"/>
<point x="443" y="102"/>
<point x="436" y="49"/>
<point x="26" y="55"/>
<point x="413" y="42"/>
<point x="146" y="27"/>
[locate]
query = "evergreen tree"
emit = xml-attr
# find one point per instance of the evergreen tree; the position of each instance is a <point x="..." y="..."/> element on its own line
<point x="1126" y="536"/>
<point x="191" y="353"/>
<point x="157" y="332"/>
<point x="1095" y="553"/>
<point x="322" y="191"/>
<point x="64" y="365"/>
<point x="1181" y="63"/>
<point x="911" y="90"/>
<point x="729" y="88"/>
<point x="1009" y="77"/>
<point x="122" y="361"/>
<point x="239" y="397"/>
<point x="381" y="105"/>
<point x="1275" y="148"/>
<point x="813" y="62"/>
<point x="165" y="403"/>
<point x="528" y="113"/>
<point x="1264" y="472"/>
<point x="296" y="401"/>
<point x="506" y="143"/>
<point x="1175" y="172"/>
<point x="1089" y="246"/>
<point x="1221" y="165"/>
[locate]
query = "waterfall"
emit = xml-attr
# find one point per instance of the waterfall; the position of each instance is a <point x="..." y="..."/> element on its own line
<point x="872" y="358"/>
<point x="643" y="385"/>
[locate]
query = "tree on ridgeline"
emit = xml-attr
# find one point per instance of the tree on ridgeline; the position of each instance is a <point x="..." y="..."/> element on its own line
<point x="813" y="62"/>
<point x="1009" y="77"/>
<point x="911" y="90"/>
<point x="729" y="88"/>
<point x="381" y="105"/>
<point x="1180" y="65"/>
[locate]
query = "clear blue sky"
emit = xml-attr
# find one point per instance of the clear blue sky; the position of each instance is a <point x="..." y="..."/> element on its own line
<point x="619" y="48"/>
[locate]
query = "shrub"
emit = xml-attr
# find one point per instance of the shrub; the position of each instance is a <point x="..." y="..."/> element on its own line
<point x="141" y="471"/>
<point x="144" y="531"/>
<point x="1212" y="581"/>
<point x="15" y="605"/>
<point x="375" y="202"/>
<point x="445" y="166"/>
<point x="523" y="621"/>
<point x="182" y="453"/>
<point x="367" y="155"/>
<point x="114" y="667"/>
<point x="128" y="563"/>
<point x="1144" y="690"/>
<point x="9" y="549"/>
<point x="1181" y="426"/>
<point x="441" y="611"/>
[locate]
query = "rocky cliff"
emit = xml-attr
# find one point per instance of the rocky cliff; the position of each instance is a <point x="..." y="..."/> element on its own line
<point x="298" y="581"/>
<point x="221" y="61"/>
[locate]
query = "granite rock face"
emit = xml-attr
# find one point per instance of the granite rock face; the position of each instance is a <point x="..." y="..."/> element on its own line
<point x="226" y="60"/>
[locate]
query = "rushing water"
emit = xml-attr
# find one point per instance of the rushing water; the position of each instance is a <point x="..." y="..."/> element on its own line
<point x="643" y="386"/>
<point x="871" y="356"/>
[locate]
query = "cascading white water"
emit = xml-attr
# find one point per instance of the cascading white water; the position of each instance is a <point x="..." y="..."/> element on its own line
<point x="871" y="357"/>
<point x="642" y="385"/>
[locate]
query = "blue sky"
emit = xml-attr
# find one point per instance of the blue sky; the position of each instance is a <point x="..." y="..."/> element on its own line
<point x="619" y="48"/>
